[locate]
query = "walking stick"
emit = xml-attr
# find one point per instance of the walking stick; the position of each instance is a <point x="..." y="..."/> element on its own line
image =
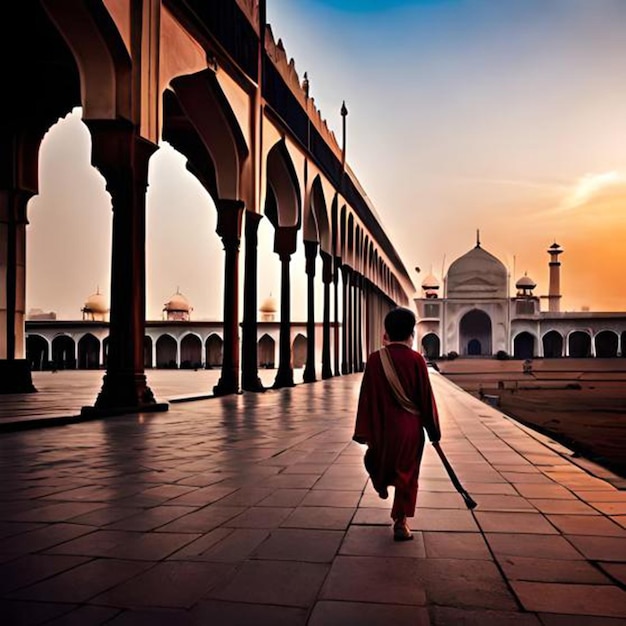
<point x="470" y="503"/>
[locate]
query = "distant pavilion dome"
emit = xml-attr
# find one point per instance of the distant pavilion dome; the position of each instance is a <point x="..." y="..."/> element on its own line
<point x="95" y="307"/>
<point x="525" y="282"/>
<point x="268" y="309"/>
<point x="177" y="307"/>
<point x="430" y="282"/>
<point x="430" y="286"/>
<point x="477" y="274"/>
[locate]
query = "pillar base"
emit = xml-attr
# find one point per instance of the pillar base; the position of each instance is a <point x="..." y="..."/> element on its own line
<point x="124" y="393"/>
<point x="309" y="375"/>
<point x="226" y="385"/>
<point x="284" y="378"/>
<point x="15" y="376"/>
<point x="254" y="385"/>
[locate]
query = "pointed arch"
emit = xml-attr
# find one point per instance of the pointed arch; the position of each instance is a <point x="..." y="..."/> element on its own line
<point x="200" y="123"/>
<point x="283" y="205"/>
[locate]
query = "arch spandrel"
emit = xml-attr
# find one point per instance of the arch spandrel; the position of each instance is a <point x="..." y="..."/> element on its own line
<point x="207" y="109"/>
<point x="102" y="57"/>
<point x="180" y="53"/>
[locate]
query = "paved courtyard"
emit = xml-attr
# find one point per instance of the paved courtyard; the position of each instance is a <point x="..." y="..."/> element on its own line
<point x="255" y="509"/>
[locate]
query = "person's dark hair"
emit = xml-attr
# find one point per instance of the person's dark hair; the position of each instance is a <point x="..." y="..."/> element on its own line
<point x="399" y="323"/>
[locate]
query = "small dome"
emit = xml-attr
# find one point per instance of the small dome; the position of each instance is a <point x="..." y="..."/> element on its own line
<point x="96" y="303"/>
<point x="177" y="302"/>
<point x="268" y="305"/>
<point x="525" y="282"/>
<point x="430" y="282"/>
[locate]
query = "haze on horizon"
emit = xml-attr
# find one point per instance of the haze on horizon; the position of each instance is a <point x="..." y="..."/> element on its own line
<point x="507" y="117"/>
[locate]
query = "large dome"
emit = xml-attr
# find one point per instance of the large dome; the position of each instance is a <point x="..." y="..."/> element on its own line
<point x="477" y="274"/>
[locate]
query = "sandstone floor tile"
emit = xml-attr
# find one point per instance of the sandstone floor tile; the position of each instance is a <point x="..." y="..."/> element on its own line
<point x="308" y="546"/>
<point x="320" y="517"/>
<point x="538" y="546"/>
<point x="260" y="517"/>
<point x="152" y="518"/>
<point x="282" y="583"/>
<point x="478" y="488"/>
<point x="86" y="616"/>
<point x="58" y="512"/>
<point x="82" y="582"/>
<point x="453" y="545"/>
<point x="107" y="515"/>
<point x="437" y="500"/>
<point x="166" y="585"/>
<point x="535" y="523"/>
<point x="551" y="570"/>
<point x="237" y="546"/>
<point x="378" y="580"/>
<point x="551" y="619"/>
<point x="571" y="507"/>
<point x="247" y="496"/>
<point x="597" y="525"/>
<point x="600" y="600"/>
<point x="600" y="548"/>
<point x="240" y="614"/>
<point x="616" y="570"/>
<point x="450" y="616"/>
<point x="196" y="550"/>
<point x="327" y="497"/>
<point x="18" y="613"/>
<point x="32" y="568"/>
<point x="203" y="496"/>
<point x="203" y="520"/>
<point x="284" y="498"/>
<point x="154" y="617"/>
<point x="329" y="613"/>
<point x="378" y="541"/>
<point x="444" y="520"/>
<point x="43" y="538"/>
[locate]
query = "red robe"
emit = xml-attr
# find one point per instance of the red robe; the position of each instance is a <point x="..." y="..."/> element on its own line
<point x="394" y="436"/>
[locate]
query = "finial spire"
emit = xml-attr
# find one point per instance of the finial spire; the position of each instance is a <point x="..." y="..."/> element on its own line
<point x="478" y="238"/>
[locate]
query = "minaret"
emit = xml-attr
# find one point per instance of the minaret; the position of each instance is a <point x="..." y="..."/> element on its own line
<point x="554" y="294"/>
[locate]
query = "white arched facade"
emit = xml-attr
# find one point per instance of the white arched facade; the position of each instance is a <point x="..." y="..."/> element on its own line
<point x="477" y="284"/>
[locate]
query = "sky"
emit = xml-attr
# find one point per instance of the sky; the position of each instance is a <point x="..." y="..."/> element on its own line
<point x="506" y="118"/>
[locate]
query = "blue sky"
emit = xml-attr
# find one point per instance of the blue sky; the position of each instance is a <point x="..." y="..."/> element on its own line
<point x="485" y="114"/>
<point x="506" y="116"/>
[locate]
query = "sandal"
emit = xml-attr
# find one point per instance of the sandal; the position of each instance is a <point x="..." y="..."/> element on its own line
<point x="401" y="531"/>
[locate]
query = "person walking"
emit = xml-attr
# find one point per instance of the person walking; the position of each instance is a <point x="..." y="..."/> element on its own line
<point x="392" y="423"/>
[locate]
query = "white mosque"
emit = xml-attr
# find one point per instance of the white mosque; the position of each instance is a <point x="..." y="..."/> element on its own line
<point x="475" y="315"/>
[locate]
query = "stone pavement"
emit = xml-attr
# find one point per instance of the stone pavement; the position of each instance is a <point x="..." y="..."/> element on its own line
<point x="255" y="509"/>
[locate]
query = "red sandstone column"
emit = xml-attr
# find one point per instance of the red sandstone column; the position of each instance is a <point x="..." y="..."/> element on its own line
<point x="19" y="164"/>
<point x="345" y="330"/>
<point x="15" y="376"/>
<point x="229" y="219"/>
<point x="285" y="246"/>
<point x="122" y="157"/>
<point x="327" y="277"/>
<point x="310" y="250"/>
<point x="250" y="380"/>
<point x="336" y="345"/>
<point x="359" y="324"/>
